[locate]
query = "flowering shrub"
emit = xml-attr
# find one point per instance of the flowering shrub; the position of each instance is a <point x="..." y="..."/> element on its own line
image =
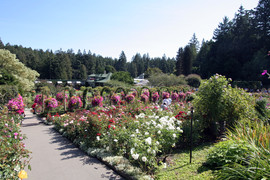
<point x="16" y="104"/>
<point x="175" y="96"/>
<point x="115" y="99"/>
<point x="130" y="98"/>
<point x="155" y="97"/>
<point x="60" y="96"/>
<point x="181" y="96"/>
<point x="74" y="102"/>
<point x="146" y="92"/>
<point x="13" y="155"/>
<point x="165" y="95"/>
<point x="144" y="98"/>
<point x="38" y="99"/>
<point x="50" y="103"/>
<point x="97" y="101"/>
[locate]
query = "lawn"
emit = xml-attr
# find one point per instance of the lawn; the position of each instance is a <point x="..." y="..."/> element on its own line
<point x="179" y="167"/>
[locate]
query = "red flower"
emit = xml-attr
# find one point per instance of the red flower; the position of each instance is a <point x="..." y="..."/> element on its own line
<point x="109" y="126"/>
<point x="98" y="134"/>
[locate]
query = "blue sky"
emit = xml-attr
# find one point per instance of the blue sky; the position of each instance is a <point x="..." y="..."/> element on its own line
<point x="107" y="27"/>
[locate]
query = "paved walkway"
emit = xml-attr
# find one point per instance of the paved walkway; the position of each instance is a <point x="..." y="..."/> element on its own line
<point x="56" y="158"/>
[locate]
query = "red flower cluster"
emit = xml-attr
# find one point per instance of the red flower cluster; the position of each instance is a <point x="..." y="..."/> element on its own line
<point x="181" y="115"/>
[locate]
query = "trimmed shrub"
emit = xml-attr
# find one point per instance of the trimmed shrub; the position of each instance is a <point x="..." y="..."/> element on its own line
<point x="193" y="80"/>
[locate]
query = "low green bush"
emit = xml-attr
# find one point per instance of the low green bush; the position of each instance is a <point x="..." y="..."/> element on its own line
<point x="228" y="152"/>
<point x="193" y="80"/>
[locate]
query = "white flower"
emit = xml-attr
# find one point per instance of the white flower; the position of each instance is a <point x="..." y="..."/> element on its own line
<point x="107" y="148"/>
<point x="146" y="133"/>
<point x="164" y="165"/>
<point x="98" y="138"/>
<point x="157" y="142"/>
<point x="144" y="159"/>
<point x="174" y="135"/>
<point x="154" y="152"/>
<point x="137" y="131"/>
<point x="149" y="150"/>
<point x="159" y="126"/>
<point x="159" y="132"/>
<point x="132" y="135"/>
<point x="173" y="144"/>
<point x="148" y="140"/>
<point x="132" y="150"/>
<point x="135" y="156"/>
<point x="115" y="140"/>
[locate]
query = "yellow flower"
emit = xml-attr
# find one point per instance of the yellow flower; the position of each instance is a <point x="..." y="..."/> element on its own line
<point x="22" y="174"/>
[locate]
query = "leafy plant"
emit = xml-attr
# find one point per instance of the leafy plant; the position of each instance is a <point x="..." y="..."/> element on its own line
<point x="227" y="153"/>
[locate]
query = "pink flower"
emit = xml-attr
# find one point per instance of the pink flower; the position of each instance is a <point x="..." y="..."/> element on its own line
<point x="21" y="138"/>
<point x="15" y="134"/>
<point x="264" y="72"/>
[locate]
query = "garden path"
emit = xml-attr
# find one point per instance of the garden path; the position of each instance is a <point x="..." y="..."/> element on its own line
<point x="56" y="158"/>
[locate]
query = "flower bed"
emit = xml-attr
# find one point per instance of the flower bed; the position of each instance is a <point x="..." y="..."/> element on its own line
<point x="13" y="155"/>
<point x="136" y="132"/>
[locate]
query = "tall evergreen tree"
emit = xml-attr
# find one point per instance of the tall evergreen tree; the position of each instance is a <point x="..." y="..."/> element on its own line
<point x="121" y="63"/>
<point x="187" y="60"/>
<point x="179" y="62"/>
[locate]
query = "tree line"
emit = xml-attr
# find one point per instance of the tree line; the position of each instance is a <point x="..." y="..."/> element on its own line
<point x="237" y="50"/>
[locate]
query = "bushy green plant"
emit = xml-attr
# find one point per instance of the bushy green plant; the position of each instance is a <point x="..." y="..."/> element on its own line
<point x="166" y="80"/>
<point x="7" y="92"/>
<point x="123" y="77"/>
<point x="228" y="152"/>
<point x="261" y="110"/>
<point x="193" y="80"/>
<point x="217" y="102"/>
<point x="256" y="134"/>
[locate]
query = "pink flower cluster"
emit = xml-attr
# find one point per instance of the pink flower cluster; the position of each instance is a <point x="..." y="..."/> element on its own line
<point x="38" y="99"/>
<point x="144" y="98"/>
<point x="115" y="99"/>
<point x="175" y="96"/>
<point x="97" y="101"/>
<point x="146" y="92"/>
<point x="60" y="96"/>
<point x="16" y="104"/>
<point x="130" y="98"/>
<point x="155" y="97"/>
<point x="50" y="103"/>
<point x="165" y="95"/>
<point x="74" y="102"/>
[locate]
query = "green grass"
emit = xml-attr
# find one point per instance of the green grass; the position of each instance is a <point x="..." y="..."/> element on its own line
<point x="180" y="168"/>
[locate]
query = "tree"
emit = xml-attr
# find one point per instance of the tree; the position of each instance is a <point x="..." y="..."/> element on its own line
<point x="121" y="63"/>
<point x="152" y="71"/>
<point x="187" y="60"/>
<point x="262" y="21"/>
<point x="179" y="62"/>
<point x="24" y="76"/>
<point x="123" y="77"/>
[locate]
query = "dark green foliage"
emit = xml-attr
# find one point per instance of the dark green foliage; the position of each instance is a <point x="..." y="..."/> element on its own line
<point x="7" y="92"/>
<point x="193" y="80"/>
<point x="152" y="71"/>
<point x="166" y="80"/>
<point x="248" y="84"/>
<point x="122" y="76"/>
<point x="227" y="153"/>
<point x="261" y="110"/>
<point x="6" y="78"/>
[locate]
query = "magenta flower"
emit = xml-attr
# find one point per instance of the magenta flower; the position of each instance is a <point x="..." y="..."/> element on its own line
<point x="15" y="134"/>
<point x="155" y="97"/>
<point x="115" y="99"/>
<point x="264" y="72"/>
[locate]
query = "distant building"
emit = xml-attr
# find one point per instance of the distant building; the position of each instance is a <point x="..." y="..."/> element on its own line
<point x="94" y="80"/>
<point x="140" y="81"/>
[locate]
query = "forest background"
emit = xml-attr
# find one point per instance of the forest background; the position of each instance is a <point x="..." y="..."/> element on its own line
<point x="239" y="50"/>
